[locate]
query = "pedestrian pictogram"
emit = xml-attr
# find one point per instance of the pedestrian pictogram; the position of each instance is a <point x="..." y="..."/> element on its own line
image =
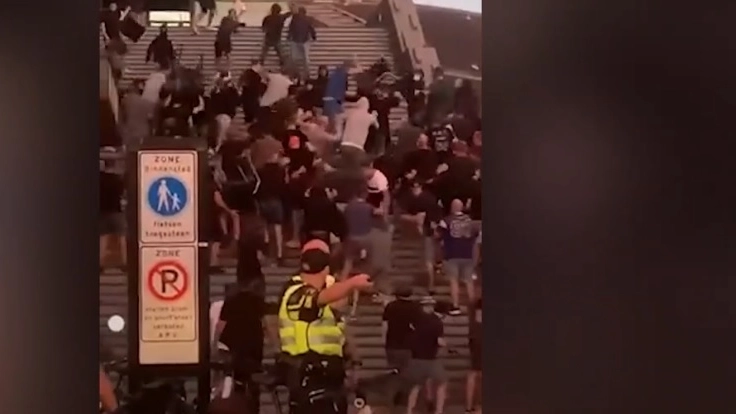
<point x="167" y="196"/>
<point x="168" y="280"/>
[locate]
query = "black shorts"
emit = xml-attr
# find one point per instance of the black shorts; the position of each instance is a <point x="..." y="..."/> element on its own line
<point x="272" y="211"/>
<point x="223" y="47"/>
<point x="215" y="233"/>
<point x="207" y="5"/>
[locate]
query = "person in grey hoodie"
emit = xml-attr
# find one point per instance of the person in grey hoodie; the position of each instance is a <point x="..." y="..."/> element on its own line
<point x="358" y="122"/>
<point x="137" y="115"/>
<point x="301" y="32"/>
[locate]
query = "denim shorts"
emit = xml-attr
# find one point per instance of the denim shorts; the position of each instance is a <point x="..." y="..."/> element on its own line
<point x="331" y="107"/>
<point x="459" y="269"/>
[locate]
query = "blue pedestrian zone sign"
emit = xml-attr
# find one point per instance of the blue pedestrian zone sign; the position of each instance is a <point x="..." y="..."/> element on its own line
<point x="167" y="196"/>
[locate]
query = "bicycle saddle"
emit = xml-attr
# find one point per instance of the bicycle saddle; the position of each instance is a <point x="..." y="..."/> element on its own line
<point x="119" y="366"/>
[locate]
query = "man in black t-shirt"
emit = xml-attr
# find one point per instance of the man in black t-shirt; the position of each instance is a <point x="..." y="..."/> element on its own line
<point x="426" y="341"/>
<point x="110" y="21"/>
<point x="398" y="317"/>
<point x="272" y="26"/>
<point x="223" y="39"/>
<point x="440" y="139"/>
<point x="241" y="330"/>
<point x="300" y="173"/>
<point x="421" y="162"/>
<point x="270" y="202"/>
<point x="422" y="211"/>
<point x="458" y="180"/>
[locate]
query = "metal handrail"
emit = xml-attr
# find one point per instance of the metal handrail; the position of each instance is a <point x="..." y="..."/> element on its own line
<point x="348" y="14"/>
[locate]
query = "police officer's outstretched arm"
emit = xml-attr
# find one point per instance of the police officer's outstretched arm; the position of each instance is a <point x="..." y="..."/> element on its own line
<point x="341" y="290"/>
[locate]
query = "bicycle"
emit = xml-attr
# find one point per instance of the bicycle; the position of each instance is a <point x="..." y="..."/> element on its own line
<point x="389" y="380"/>
<point x="120" y="368"/>
<point x="159" y="397"/>
<point x="365" y="385"/>
<point x="266" y="378"/>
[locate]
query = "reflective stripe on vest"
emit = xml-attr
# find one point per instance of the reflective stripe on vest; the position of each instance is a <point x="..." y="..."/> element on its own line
<point x="322" y="336"/>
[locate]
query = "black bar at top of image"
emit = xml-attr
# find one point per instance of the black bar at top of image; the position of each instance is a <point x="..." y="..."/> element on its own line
<point x="49" y="295"/>
<point x="609" y="208"/>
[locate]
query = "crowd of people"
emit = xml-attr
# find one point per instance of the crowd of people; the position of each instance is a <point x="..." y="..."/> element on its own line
<point x="332" y="167"/>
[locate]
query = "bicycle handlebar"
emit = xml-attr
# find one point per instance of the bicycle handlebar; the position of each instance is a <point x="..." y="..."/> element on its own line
<point x="118" y="366"/>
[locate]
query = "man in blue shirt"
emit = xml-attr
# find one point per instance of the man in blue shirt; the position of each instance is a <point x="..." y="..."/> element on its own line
<point x="335" y="94"/>
<point x="458" y="234"/>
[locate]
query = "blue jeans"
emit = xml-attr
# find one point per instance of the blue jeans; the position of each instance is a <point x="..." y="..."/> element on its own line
<point x="300" y="56"/>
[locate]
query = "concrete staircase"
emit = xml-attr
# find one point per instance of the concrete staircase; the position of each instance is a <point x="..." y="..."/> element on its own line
<point x="333" y="45"/>
<point x="366" y="330"/>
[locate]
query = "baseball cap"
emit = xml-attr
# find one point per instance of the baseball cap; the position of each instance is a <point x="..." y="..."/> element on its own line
<point x="315" y="244"/>
<point x="314" y="260"/>
<point x="403" y="291"/>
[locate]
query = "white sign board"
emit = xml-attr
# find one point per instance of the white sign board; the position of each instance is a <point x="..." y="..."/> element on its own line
<point x="167" y="197"/>
<point x="169" y="319"/>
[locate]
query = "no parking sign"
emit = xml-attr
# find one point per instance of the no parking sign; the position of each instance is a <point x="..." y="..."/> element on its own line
<point x="169" y="323"/>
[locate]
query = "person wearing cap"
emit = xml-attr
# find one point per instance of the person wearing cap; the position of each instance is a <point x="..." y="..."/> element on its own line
<point x="425" y="368"/>
<point x="311" y="337"/>
<point x="398" y="316"/>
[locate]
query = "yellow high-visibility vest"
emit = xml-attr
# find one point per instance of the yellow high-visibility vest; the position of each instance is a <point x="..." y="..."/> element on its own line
<point x="323" y="336"/>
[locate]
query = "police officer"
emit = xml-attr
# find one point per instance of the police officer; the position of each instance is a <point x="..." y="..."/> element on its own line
<point x="311" y="338"/>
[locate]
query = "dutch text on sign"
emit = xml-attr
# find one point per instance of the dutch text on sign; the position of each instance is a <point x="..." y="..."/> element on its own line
<point x="169" y="325"/>
<point x="167" y="196"/>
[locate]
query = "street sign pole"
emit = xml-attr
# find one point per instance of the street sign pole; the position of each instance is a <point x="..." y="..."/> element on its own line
<point x="169" y="196"/>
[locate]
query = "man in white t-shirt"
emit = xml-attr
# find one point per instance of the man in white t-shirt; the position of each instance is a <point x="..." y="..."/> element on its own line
<point x="377" y="181"/>
<point x="358" y="122"/>
<point x="153" y="85"/>
<point x="277" y="88"/>
<point x="151" y="91"/>
<point x="381" y="235"/>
